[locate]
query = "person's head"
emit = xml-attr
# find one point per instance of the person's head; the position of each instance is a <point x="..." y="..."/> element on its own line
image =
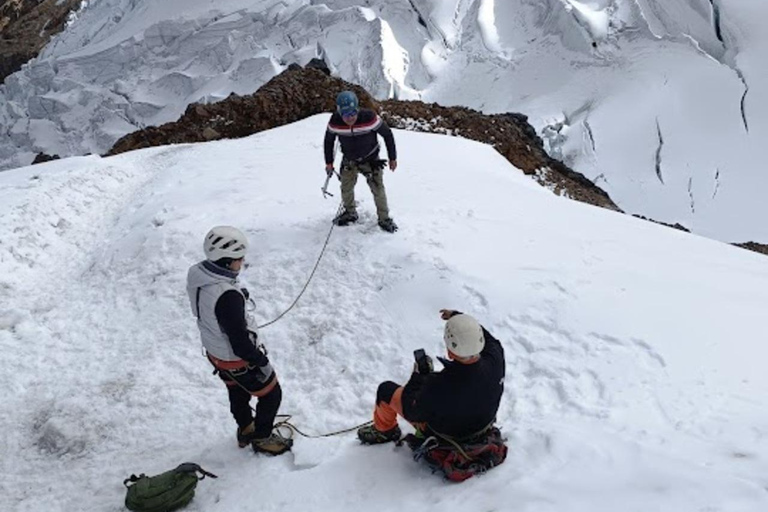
<point x="463" y="338"/>
<point x="226" y="246"/>
<point x="347" y="106"/>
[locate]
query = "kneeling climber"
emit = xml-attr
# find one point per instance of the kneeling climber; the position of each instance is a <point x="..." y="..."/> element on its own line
<point x="451" y="409"/>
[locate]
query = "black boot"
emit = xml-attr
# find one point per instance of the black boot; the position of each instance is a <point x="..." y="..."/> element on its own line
<point x="346" y="217"/>
<point x="388" y="225"/>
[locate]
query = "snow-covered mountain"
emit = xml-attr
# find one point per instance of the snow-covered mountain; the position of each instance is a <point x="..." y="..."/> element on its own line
<point x="664" y="103"/>
<point x="634" y="375"/>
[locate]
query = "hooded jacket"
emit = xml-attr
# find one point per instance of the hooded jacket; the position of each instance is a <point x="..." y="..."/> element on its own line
<point x="218" y="302"/>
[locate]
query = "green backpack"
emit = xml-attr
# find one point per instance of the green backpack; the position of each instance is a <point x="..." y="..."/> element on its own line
<point x="164" y="492"/>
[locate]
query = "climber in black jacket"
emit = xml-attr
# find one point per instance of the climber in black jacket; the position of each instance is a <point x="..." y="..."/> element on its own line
<point x="459" y="402"/>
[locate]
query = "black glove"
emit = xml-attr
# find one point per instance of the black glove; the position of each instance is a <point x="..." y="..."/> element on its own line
<point x="430" y="366"/>
<point x="424" y="364"/>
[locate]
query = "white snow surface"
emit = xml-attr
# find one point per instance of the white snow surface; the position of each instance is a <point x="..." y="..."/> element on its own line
<point x="634" y="352"/>
<point x="663" y="103"/>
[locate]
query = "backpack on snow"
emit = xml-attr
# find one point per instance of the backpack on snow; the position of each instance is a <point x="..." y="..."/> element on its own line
<point x="164" y="492"/>
<point x="459" y="461"/>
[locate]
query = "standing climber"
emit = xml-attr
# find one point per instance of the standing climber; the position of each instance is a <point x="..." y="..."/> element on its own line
<point x="231" y="342"/>
<point x="358" y="131"/>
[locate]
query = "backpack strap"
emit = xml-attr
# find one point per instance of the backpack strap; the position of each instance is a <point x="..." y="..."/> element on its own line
<point x="191" y="467"/>
<point x="133" y="479"/>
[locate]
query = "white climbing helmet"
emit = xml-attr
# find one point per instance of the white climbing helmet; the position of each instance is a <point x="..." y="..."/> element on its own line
<point x="225" y="242"/>
<point x="463" y="336"/>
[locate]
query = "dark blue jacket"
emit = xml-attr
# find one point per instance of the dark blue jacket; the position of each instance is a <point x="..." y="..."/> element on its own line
<point x="359" y="142"/>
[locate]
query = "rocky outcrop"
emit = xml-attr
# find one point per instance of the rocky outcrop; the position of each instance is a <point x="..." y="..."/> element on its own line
<point x="510" y="134"/>
<point x="676" y="225"/>
<point x="293" y="95"/>
<point x="299" y="92"/>
<point x="42" y="157"/>
<point x="26" y="26"/>
<point x="754" y="246"/>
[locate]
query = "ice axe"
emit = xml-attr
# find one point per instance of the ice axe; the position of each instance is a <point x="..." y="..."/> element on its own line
<point x="324" y="188"/>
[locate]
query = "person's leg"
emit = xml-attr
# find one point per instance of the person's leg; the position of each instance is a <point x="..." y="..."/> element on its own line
<point x="388" y="406"/>
<point x="375" y="179"/>
<point x="266" y="410"/>
<point x="267" y="440"/>
<point x="348" y="182"/>
<point x="239" y="406"/>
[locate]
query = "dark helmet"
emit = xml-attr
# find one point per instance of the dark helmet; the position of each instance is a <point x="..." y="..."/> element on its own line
<point x="347" y="104"/>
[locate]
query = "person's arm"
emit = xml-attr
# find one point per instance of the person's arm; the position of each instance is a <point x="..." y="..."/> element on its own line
<point x="389" y="139"/>
<point x="492" y="348"/>
<point x="330" y="139"/>
<point x="415" y="397"/>
<point x="230" y="312"/>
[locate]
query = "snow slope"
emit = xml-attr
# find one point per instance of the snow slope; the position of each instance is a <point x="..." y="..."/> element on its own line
<point x="633" y="351"/>
<point x="664" y="104"/>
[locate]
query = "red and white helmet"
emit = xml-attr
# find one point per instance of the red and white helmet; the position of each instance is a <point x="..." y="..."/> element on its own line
<point x="225" y="242"/>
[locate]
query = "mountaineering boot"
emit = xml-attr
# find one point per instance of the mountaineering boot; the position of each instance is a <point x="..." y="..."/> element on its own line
<point x="370" y="435"/>
<point x="388" y="225"/>
<point x="245" y="435"/>
<point x="346" y="217"/>
<point x="275" y="444"/>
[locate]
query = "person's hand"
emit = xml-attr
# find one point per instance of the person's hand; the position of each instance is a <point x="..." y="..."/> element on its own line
<point x="445" y="314"/>
<point x="328" y="169"/>
<point x="393" y="165"/>
<point x="430" y="367"/>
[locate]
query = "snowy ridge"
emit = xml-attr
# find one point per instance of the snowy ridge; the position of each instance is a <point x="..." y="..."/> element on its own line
<point x="630" y="347"/>
<point x="695" y="65"/>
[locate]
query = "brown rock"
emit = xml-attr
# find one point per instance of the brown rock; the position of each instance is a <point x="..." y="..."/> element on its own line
<point x="211" y="134"/>
<point x="26" y="26"/>
<point x="754" y="246"/>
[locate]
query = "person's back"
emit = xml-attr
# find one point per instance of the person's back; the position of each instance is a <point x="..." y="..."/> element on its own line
<point x="231" y="344"/>
<point x="462" y="399"/>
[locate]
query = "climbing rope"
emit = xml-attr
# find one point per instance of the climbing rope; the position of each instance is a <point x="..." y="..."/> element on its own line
<point x="312" y="274"/>
<point x="286" y="424"/>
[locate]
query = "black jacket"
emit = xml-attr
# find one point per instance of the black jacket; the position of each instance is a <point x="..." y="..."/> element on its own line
<point x="230" y="312"/>
<point x="462" y="399"/>
<point x="359" y="142"/>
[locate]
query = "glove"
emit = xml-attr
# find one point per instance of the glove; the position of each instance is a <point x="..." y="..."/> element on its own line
<point x="428" y="366"/>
